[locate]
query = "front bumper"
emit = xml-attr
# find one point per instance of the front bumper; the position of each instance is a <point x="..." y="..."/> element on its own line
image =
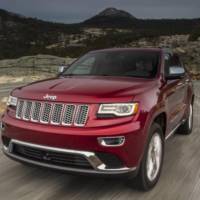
<point x="77" y="141"/>
<point x="98" y="167"/>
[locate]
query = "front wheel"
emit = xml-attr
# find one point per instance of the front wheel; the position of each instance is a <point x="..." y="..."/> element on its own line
<point x="151" y="164"/>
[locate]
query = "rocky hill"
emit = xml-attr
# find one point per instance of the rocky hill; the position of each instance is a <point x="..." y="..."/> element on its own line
<point x="22" y="36"/>
<point x="112" y="17"/>
<point x="113" y="12"/>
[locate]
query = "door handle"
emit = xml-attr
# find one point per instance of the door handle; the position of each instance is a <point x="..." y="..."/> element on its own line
<point x="187" y="81"/>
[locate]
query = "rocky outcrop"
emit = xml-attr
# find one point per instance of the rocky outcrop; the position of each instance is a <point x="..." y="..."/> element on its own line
<point x="43" y="63"/>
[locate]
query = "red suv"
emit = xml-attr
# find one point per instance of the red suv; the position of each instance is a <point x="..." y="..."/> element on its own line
<point x="108" y="113"/>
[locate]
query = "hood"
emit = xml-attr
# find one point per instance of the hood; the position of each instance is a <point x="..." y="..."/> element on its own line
<point x="87" y="89"/>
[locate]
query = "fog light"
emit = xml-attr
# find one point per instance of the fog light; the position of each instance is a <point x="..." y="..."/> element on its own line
<point x="111" y="141"/>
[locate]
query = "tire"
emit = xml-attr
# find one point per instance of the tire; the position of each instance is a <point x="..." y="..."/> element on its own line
<point x="187" y="126"/>
<point x="147" y="176"/>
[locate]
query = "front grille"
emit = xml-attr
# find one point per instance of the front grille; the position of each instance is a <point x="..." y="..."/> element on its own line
<point x="51" y="157"/>
<point x="52" y="113"/>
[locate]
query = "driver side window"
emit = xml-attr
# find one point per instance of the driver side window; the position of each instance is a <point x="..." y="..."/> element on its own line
<point x="171" y="61"/>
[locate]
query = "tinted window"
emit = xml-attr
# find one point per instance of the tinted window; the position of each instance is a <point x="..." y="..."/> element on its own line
<point x="171" y="61"/>
<point x="168" y="62"/>
<point x="116" y="63"/>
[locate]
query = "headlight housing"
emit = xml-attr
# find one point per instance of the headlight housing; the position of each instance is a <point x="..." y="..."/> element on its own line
<point x="12" y="101"/>
<point x="118" y="109"/>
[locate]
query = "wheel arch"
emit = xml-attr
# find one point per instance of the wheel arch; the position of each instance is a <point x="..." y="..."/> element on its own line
<point x="161" y="119"/>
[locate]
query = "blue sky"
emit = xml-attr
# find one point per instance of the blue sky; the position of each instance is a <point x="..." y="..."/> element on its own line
<point x="69" y="11"/>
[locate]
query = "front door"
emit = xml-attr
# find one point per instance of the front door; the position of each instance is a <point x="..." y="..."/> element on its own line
<point x="175" y="96"/>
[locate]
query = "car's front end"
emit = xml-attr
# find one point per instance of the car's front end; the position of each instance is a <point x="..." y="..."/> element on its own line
<point x="72" y="136"/>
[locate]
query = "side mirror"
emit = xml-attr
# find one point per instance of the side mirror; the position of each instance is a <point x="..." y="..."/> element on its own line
<point x="62" y="68"/>
<point x="175" y="72"/>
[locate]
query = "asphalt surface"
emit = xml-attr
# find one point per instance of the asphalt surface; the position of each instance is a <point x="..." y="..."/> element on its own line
<point x="180" y="178"/>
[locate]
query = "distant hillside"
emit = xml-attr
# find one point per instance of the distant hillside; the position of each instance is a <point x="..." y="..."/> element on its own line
<point x="22" y="36"/>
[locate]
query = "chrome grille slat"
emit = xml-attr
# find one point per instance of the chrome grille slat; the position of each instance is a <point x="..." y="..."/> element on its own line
<point x="19" y="109"/>
<point x="81" y="115"/>
<point x="27" y="110"/>
<point x="46" y="112"/>
<point x="68" y="115"/>
<point x="52" y="113"/>
<point x="36" y="111"/>
<point x="57" y="114"/>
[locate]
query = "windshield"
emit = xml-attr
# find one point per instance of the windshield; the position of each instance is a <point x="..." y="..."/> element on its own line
<point x="142" y="64"/>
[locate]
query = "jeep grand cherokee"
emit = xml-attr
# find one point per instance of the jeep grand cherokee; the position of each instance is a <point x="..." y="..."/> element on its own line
<point x="109" y="113"/>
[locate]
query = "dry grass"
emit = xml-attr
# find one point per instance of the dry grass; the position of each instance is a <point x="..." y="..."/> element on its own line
<point x="11" y="79"/>
<point x="195" y="76"/>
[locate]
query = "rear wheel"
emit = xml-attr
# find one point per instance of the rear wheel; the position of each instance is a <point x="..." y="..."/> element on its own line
<point x="151" y="164"/>
<point x="186" y="128"/>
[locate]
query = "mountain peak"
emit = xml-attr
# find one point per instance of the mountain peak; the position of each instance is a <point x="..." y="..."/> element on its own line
<point x="113" y="12"/>
<point x="112" y="17"/>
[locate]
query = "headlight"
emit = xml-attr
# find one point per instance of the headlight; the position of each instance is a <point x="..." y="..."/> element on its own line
<point x="12" y="101"/>
<point x="118" y="109"/>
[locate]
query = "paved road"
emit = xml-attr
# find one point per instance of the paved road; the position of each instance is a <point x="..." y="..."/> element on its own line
<point x="180" y="179"/>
